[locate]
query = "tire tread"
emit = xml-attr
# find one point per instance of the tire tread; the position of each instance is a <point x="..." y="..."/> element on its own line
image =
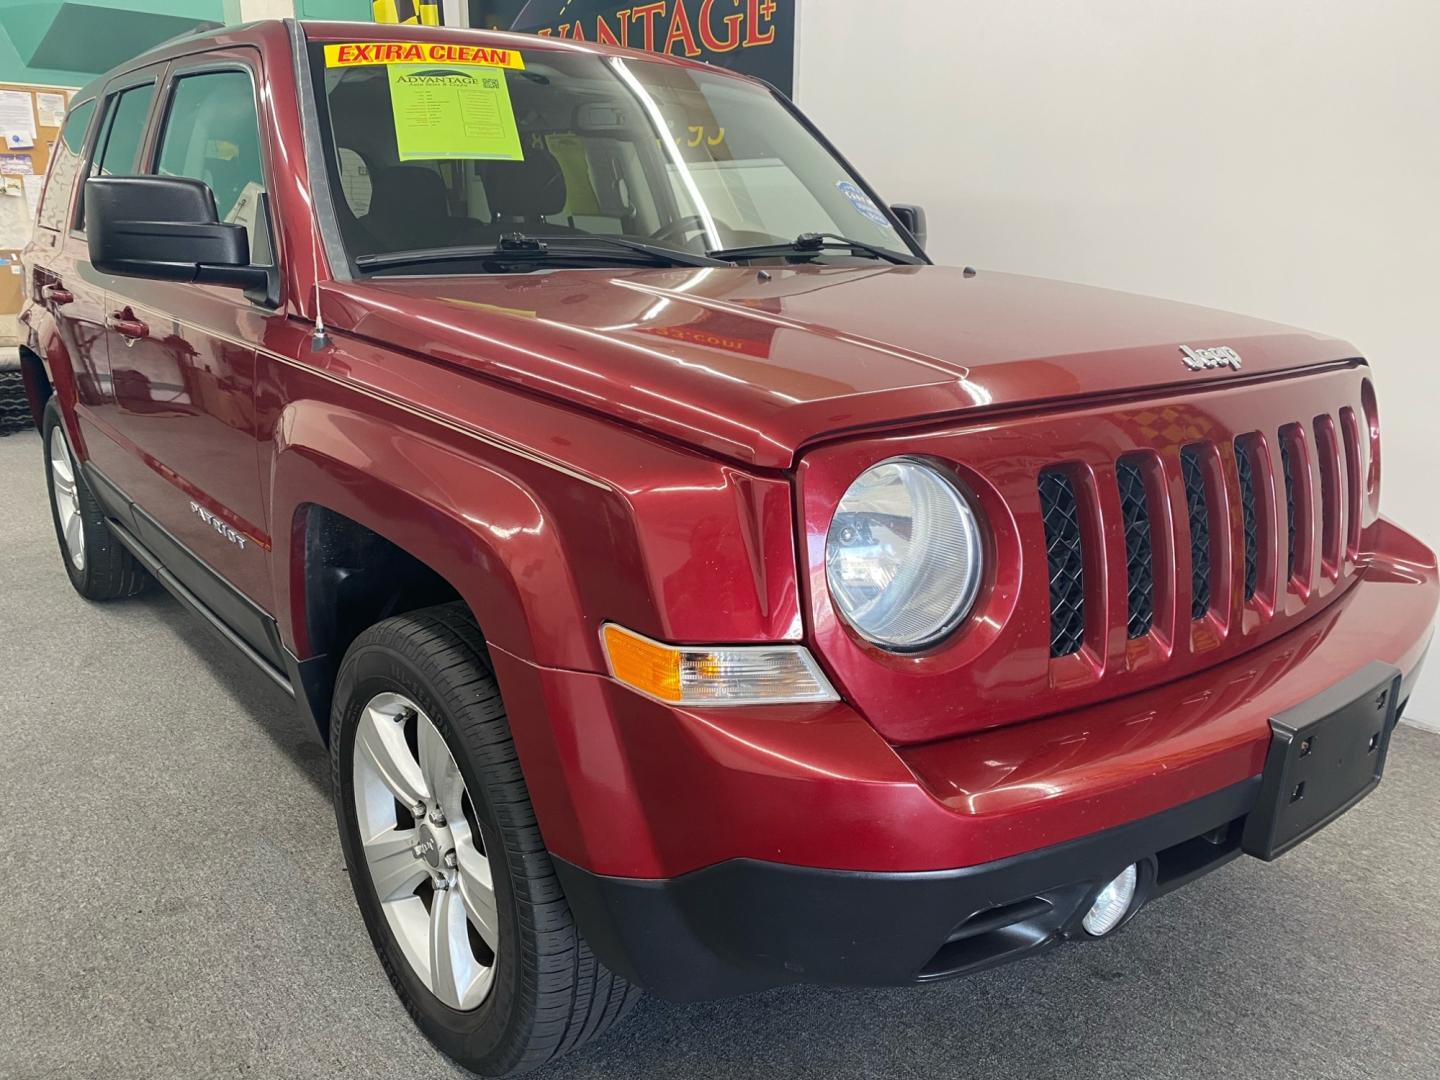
<point x="14" y="406"/>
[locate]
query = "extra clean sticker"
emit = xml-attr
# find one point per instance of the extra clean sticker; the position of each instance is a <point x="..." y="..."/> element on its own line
<point x="864" y="204"/>
<point x="360" y="53"/>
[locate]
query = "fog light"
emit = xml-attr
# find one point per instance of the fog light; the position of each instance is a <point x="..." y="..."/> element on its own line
<point x="1112" y="904"/>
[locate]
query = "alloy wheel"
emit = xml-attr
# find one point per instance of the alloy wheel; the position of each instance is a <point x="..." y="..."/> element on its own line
<point x="67" y="498"/>
<point x="424" y="851"/>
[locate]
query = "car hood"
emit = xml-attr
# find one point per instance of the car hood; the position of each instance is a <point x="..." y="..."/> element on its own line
<point x="756" y="365"/>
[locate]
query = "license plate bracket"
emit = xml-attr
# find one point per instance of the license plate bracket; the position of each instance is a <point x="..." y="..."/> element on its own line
<point x="1326" y="754"/>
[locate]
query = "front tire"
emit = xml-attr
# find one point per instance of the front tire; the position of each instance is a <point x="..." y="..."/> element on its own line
<point x="450" y="872"/>
<point x="98" y="565"/>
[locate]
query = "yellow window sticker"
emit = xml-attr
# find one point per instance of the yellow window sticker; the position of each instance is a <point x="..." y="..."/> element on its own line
<point x="449" y="112"/>
<point x="360" y="53"/>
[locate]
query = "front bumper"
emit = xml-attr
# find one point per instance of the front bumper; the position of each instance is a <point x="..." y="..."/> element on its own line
<point x="744" y="925"/>
<point x="710" y="853"/>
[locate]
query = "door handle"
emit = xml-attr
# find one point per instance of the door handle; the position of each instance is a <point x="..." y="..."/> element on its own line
<point x="128" y="327"/>
<point x="57" y="294"/>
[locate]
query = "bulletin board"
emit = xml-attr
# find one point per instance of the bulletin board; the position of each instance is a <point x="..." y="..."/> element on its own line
<point x="30" y="119"/>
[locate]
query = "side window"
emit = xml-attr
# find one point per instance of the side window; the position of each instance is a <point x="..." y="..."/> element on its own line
<point x="124" y="130"/>
<point x="119" y="143"/>
<point x="212" y="134"/>
<point x="66" y="164"/>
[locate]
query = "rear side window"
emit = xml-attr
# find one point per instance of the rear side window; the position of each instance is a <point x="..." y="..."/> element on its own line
<point x="213" y="134"/>
<point x="122" y="133"/>
<point x="66" y="164"/>
<point x="119" y="144"/>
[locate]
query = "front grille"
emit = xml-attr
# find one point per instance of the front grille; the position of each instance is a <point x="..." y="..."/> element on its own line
<point x="1350" y="431"/>
<point x="1244" y="447"/>
<point x="1286" y="467"/>
<point x="1327" y="454"/>
<point x="1196" y="504"/>
<point x="1232" y="517"/>
<point x="1139" y="551"/>
<point x="1068" y="618"/>
<point x="1061" y="512"/>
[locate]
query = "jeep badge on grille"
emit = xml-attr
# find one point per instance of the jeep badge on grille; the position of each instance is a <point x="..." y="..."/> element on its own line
<point x="1209" y="359"/>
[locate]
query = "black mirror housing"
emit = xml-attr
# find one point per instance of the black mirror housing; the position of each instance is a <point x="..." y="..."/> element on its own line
<point x="913" y="218"/>
<point x="167" y="228"/>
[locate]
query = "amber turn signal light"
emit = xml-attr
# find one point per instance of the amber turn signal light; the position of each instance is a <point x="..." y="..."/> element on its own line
<point x="714" y="675"/>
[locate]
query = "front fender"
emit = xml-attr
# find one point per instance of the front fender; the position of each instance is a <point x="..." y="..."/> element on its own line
<point x="544" y="552"/>
<point x="546" y="548"/>
<point x="486" y="531"/>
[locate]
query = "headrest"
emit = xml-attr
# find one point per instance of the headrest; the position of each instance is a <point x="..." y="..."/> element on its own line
<point x="408" y="193"/>
<point x="526" y="189"/>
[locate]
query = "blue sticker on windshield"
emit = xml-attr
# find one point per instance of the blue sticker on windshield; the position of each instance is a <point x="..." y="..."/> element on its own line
<point x="864" y="204"/>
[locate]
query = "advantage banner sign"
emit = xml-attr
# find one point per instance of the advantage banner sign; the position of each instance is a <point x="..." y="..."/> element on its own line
<point x="756" y="37"/>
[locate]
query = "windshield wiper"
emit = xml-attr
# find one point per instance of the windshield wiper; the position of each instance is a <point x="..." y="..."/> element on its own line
<point x="518" y="247"/>
<point x="813" y="243"/>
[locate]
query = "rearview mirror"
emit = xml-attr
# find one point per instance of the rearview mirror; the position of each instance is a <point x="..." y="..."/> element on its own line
<point x="598" y="118"/>
<point x="913" y="218"/>
<point x="167" y="228"/>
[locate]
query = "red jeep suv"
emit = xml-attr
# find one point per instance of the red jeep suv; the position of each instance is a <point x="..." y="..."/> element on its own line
<point x="697" y="589"/>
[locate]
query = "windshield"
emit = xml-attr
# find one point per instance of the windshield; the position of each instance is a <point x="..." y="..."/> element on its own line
<point x="456" y="155"/>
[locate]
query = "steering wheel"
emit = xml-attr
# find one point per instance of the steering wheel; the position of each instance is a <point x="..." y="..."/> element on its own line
<point x="676" y="231"/>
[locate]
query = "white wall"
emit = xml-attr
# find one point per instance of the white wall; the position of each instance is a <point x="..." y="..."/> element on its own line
<point x="255" y="10"/>
<point x="1279" y="159"/>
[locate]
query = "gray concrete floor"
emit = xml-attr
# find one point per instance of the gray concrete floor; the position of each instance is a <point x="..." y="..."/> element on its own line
<point x="173" y="904"/>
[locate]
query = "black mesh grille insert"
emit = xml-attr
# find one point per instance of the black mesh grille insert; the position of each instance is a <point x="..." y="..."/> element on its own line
<point x="1139" y="555"/>
<point x="1194" y="470"/>
<point x="1247" y="510"/>
<point x="1061" y="512"/>
<point x="1289" y="504"/>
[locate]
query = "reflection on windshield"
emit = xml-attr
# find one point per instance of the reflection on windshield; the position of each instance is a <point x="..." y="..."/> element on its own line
<point x="567" y="144"/>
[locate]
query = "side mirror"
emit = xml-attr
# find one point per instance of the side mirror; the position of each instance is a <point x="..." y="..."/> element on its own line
<point x="167" y="228"/>
<point x="912" y="217"/>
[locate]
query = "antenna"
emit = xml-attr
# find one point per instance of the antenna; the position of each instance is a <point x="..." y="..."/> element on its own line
<point x="318" y="339"/>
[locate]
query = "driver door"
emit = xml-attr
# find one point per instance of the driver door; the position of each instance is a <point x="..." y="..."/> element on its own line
<point x="183" y="358"/>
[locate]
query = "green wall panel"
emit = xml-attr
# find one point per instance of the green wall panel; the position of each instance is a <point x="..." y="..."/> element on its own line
<point x="348" y="10"/>
<point x="55" y="41"/>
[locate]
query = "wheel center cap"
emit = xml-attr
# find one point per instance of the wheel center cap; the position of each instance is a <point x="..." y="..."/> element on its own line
<point x="432" y="845"/>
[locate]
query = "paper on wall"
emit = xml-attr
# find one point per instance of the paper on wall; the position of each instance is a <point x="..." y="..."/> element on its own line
<point x="12" y="186"/>
<point x="16" y="224"/>
<point x="51" y="108"/>
<point x="33" y="186"/>
<point x="16" y="165"/>
<point x="17" y="114"/>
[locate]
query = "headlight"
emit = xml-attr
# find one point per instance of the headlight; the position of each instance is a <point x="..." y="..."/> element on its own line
<point x="903" y="555"/>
